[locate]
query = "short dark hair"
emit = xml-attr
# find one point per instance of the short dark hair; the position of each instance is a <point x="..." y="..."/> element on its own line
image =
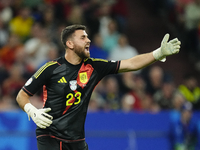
<point x="68" y="31"/>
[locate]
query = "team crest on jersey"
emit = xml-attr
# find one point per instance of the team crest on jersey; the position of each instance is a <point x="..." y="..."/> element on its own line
<point x="73" y="85"/>
<point x="83" y="77"/>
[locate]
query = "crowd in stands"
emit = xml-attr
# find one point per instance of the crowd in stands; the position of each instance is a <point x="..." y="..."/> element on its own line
<point x="183" y="18"/>
<point x="30" y="37"/>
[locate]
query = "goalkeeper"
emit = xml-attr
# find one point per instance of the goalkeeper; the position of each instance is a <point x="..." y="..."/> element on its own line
<point x="68" y="83"/>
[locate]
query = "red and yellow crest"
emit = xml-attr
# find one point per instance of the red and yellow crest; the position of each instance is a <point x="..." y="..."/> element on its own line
<point x="83" y="77"/>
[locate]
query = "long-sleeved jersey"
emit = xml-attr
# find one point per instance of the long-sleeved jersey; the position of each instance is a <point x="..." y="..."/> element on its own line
<point x="67" y="90"/>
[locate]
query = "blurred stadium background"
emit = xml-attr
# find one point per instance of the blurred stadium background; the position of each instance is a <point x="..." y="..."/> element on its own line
<point x="141" y="110"/>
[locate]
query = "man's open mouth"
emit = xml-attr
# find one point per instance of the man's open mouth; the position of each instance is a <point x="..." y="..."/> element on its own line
<point x="87" y="48"/>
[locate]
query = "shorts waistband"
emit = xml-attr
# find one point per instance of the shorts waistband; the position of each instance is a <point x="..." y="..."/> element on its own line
<point x="64" y="140"/>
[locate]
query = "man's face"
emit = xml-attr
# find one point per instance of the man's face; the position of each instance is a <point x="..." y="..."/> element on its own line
<point x="81" y="44"/>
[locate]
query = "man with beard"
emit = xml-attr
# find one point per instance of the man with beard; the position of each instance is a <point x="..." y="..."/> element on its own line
<point x="68" y="83"/>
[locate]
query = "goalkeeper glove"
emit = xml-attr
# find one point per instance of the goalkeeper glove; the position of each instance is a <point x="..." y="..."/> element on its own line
<point x="39" y="116"/>
<point x="167" y="48"/>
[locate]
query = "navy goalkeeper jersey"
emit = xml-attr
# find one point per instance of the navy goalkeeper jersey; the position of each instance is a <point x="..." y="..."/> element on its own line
<point x="67" y="90"/>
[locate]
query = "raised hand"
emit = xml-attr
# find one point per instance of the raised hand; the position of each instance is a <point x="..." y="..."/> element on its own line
<point x="167" y="48"/>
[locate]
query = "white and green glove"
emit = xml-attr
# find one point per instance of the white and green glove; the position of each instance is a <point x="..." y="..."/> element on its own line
<point x="39" y="116"/>
<point x="167" y="48"/>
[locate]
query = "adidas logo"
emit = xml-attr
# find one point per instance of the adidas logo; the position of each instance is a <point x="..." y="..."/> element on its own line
<point x="62" y="80"/>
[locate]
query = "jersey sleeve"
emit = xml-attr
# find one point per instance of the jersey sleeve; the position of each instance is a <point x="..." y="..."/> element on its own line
<point x="39" y="79"/>
<point x="105" y="67"/>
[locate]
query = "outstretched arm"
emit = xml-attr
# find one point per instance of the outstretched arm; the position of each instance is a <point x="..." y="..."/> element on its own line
<point x="137" y="62"/>
<point x="143" y="60"/>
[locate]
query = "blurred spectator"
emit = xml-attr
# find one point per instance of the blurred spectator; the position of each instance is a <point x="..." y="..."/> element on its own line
<point x="8" y="52"/>
<point x="181" y="4"/>
<point x="100" y="88"/>
<point x="176" y="15"/>
<point x="52" y="55"/>
<point x="140" y="87"/>
<point x="177" y="101"/>
<point x="76" y="15"/>
<point x="104" y="18"/>
<point x="192" y="20"/>
<point x="158" y="6"/>
<point x="122" y="50"/>
<point x="97" y="103"/>
<point x="96" y="50"/>
<point x="164" y="96"/>
<point x="32" y="4"/>
<point x="119" y="11"/>
<point x="37" y="47"/>
<point x="39" y="23"/>
<point x="127" y="82"/>
<point x="110" y="40"/>
<point x="20" y="60"/>
<point x="180" y="11"/>
<point x="3" y="34"/>
<point x="91" y="15"/>
<point x="15" y="81"/>
<point x="146" y="101"/>
<point x="7" y="104"/>
<point x="48" y="21"/>
<point x="6" y="11"/>
<point x="127" y="103"/>
<point x="22" y="23"/>
<point x="3" y="74"/>
<point x="184" y="130"/>
<point x="190" y="90"/>
<point x="148" y="105"/>
<point x="154" y="79"/>
<point x="56" y="38"/>
<point x="130" y="102"/>
<point x="111" y="93"/>
<point x="62" y="8"/>
<point x="16" y="6"/>
<point x="132" y="87"/>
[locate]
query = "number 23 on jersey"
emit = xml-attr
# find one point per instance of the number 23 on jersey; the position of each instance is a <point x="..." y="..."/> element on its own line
<point x="73" y="98"/>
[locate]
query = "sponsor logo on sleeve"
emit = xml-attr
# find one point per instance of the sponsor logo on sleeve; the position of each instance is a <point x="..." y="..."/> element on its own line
<point x="28" y="82"/>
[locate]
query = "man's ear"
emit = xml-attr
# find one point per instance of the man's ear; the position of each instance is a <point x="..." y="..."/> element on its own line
<point x="70" y="44"/>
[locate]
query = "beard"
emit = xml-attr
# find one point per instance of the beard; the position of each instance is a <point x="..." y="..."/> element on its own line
<point x="81" y="52"/>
